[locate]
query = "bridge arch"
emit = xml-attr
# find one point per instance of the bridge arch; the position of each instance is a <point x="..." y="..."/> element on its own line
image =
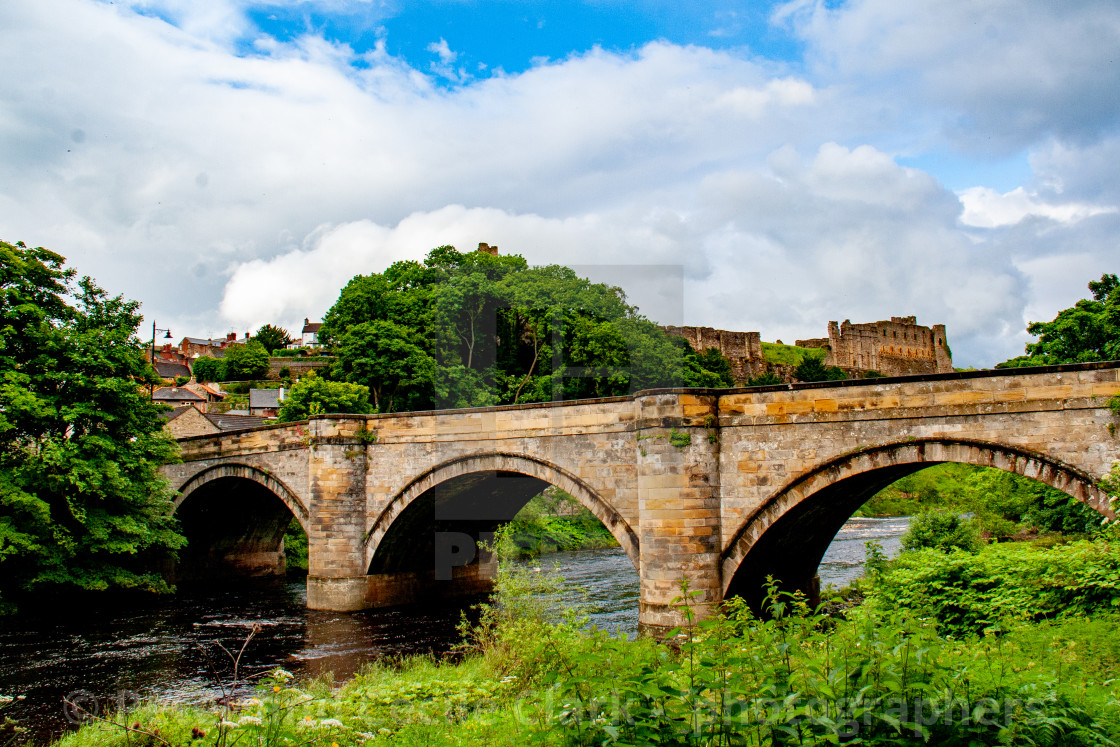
<point x="501" y="463"/>
<point x="245" y="472"/>
<point x="807" y="513"/>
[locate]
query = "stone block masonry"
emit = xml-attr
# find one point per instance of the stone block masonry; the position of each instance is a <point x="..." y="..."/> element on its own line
<point x="716" y="487"/>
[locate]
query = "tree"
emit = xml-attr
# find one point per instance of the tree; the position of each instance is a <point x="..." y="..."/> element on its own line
<point x="313" y="395"/>
<point x="245" y="361"/>
<point x="380" y="356"/>
<point x="1088" y="331"/>
<point x="272" y="338"/>
<point x="206" y="368"/>
<point x="813" y="369"/>
<point x="81" y="495"/>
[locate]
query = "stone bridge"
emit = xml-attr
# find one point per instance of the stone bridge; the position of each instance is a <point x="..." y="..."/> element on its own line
<point x="721" y="487"/>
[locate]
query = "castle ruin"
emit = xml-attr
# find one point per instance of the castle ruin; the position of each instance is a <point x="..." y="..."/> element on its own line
<point x="899" y="347"/>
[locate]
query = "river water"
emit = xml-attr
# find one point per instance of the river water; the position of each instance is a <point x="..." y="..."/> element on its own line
<point x="109" y="654"/>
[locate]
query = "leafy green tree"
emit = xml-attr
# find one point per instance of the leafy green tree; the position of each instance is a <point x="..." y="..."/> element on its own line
<point x="472" y="329"/>
<point x="206" y="368"/>
<point x="313" y="395"/>
<point x="1089" y="331"/>
<point x="81" y="444"/>
<point x="380" y="356"/>
<point x="272" y="338"/>
<point x="813" y="369"/>
<point x="246" y="361"/>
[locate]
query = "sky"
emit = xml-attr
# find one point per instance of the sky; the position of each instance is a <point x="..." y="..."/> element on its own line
<point x="764" y="166"/>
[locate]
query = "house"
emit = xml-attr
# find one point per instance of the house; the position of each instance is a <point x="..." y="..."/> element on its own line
<point x="310" y="335"/>
<point x="265" y="402"/>
<point x="171" y="369"/>
<point x="188" y="420"/>
<point x="229" y="422"/>
<point x="211" y="392"/>
<point x="177" y="396"/>
<point x="196" y="347"/>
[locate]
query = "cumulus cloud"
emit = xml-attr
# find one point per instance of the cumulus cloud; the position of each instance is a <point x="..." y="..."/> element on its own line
<point x="986" y="208"/>
<point x="227" y="178"/>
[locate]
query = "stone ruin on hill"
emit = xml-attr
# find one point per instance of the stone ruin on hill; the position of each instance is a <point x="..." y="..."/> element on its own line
<point x="899" y="347"/>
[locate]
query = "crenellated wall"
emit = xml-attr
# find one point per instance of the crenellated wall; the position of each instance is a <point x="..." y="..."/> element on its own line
<point x="899" y="347"/>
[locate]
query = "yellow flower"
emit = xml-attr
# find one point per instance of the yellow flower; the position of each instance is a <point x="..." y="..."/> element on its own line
<point x="275" y="688"/>
<point x="334" y="744"/>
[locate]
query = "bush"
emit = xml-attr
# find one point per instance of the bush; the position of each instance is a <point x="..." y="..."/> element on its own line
<point x="316" y="396"/>
<point x="812" y="369"/>
<point x="942" y="530"/>
<point x="246" y="361"/>
<point x="209" y="369"/>
<point x="1016" y="581"/>
<point x="765" y="379"/>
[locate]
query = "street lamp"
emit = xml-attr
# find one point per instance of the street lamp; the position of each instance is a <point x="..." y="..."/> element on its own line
<point x="152" y="357"/>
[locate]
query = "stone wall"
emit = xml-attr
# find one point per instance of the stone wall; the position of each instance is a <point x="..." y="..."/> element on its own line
<point x="743" y="349"/>
<point x="190" y="422"/>
<point x="899" y="347"/>
<point x="297" y="366"/>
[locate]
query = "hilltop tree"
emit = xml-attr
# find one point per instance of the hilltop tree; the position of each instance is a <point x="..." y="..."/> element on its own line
<point x="81" y="494"/>
<point x="206" y="368"/>
<point x="812" y="368"/>
<point x="272" y="338"/>
<point x="245" y="361"/>
<point x="470" y="329"/>
<point x="1088" y="331"/>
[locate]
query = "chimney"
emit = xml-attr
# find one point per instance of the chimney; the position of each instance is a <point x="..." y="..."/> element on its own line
<point x="231" y="337"/>
<point x="306" y="321"/>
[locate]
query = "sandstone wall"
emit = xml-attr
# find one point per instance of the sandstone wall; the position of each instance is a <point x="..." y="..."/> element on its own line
<point x="899" y="347"/>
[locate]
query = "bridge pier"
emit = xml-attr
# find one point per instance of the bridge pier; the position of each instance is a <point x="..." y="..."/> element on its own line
<point x="678" y="509"/>
<point x="336" y="572"/>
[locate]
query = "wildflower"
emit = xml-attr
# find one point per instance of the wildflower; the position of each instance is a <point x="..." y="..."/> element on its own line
<point x="223" y="724"/>
<point x="282" y="674"/>
<point x="330" y="723"/>
<point x="5" y="699"/>
<point x="254" y="720"/>
<point x="275" y="688"/>
<point x="364" y="736"/>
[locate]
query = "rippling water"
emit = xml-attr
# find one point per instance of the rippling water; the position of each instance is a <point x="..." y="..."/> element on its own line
<point x="155" y="649"/>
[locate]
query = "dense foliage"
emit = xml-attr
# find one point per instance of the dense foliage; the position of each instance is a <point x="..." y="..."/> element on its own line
<point x="208" y="368"/>
<point x="1089" y="331"/>
<point x="942" y="530"/>
<point x="245" y="361"/>
<point x="1003" y="583"/>
<point x="313" y="395"/>
<point x="554" y="521"/>
<point x="272" y="338"/>
<point x="474" y="329"/>
<point x="1003" y="504"/>
<point x="80" y="441"/>
<point x="813" y="369"/>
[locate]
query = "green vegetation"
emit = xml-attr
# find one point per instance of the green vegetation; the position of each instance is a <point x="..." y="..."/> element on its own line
<point x="1001" y="584"/>
<point x="312" y="395"/>
<point x="790" y="355"/>
<point x="882" y="674"/>
<point x="554" y="521"/>
<point x="245" y="361"/>
<point x="295" y="546"/>
<point x="273" y="338"/>
<point x="1089" y="331"/>
<point x="942" y="530"/>
<point x="1004" y="505"/>
<point x="207" y="368"/>
<point x="82" y="502"/>
<point x="812" y="369"/>
<point x="473" y="329"/>
<point x="765" y="379"/>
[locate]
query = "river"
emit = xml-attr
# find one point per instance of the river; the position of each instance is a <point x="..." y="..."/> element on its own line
<point x="105" y="654"/>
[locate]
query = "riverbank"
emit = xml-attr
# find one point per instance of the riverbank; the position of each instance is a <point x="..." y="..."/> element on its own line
<point x="882" y="673"/>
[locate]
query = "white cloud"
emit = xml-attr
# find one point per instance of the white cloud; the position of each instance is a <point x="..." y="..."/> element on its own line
<point x="225" y="188"/>
<point x="986" y="208"/>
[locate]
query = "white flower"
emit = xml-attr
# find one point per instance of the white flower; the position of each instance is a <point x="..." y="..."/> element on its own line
<point x="223" y="724"/>
<point x="330" y="723"/>
<point x="365" y="735"/>
<point x="5" y="699"/>
<point x="282" y="674"/>
<point x="254" y="720"/>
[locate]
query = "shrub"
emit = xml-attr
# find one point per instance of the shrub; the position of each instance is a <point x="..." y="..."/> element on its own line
<point x="764" y="379"/>
<point x="812" y="369"/>
<point x="209" y="369"/>
<point x="942" y="530"/>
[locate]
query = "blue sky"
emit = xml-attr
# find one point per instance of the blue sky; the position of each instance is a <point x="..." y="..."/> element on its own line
<point x="231" y="163"/>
